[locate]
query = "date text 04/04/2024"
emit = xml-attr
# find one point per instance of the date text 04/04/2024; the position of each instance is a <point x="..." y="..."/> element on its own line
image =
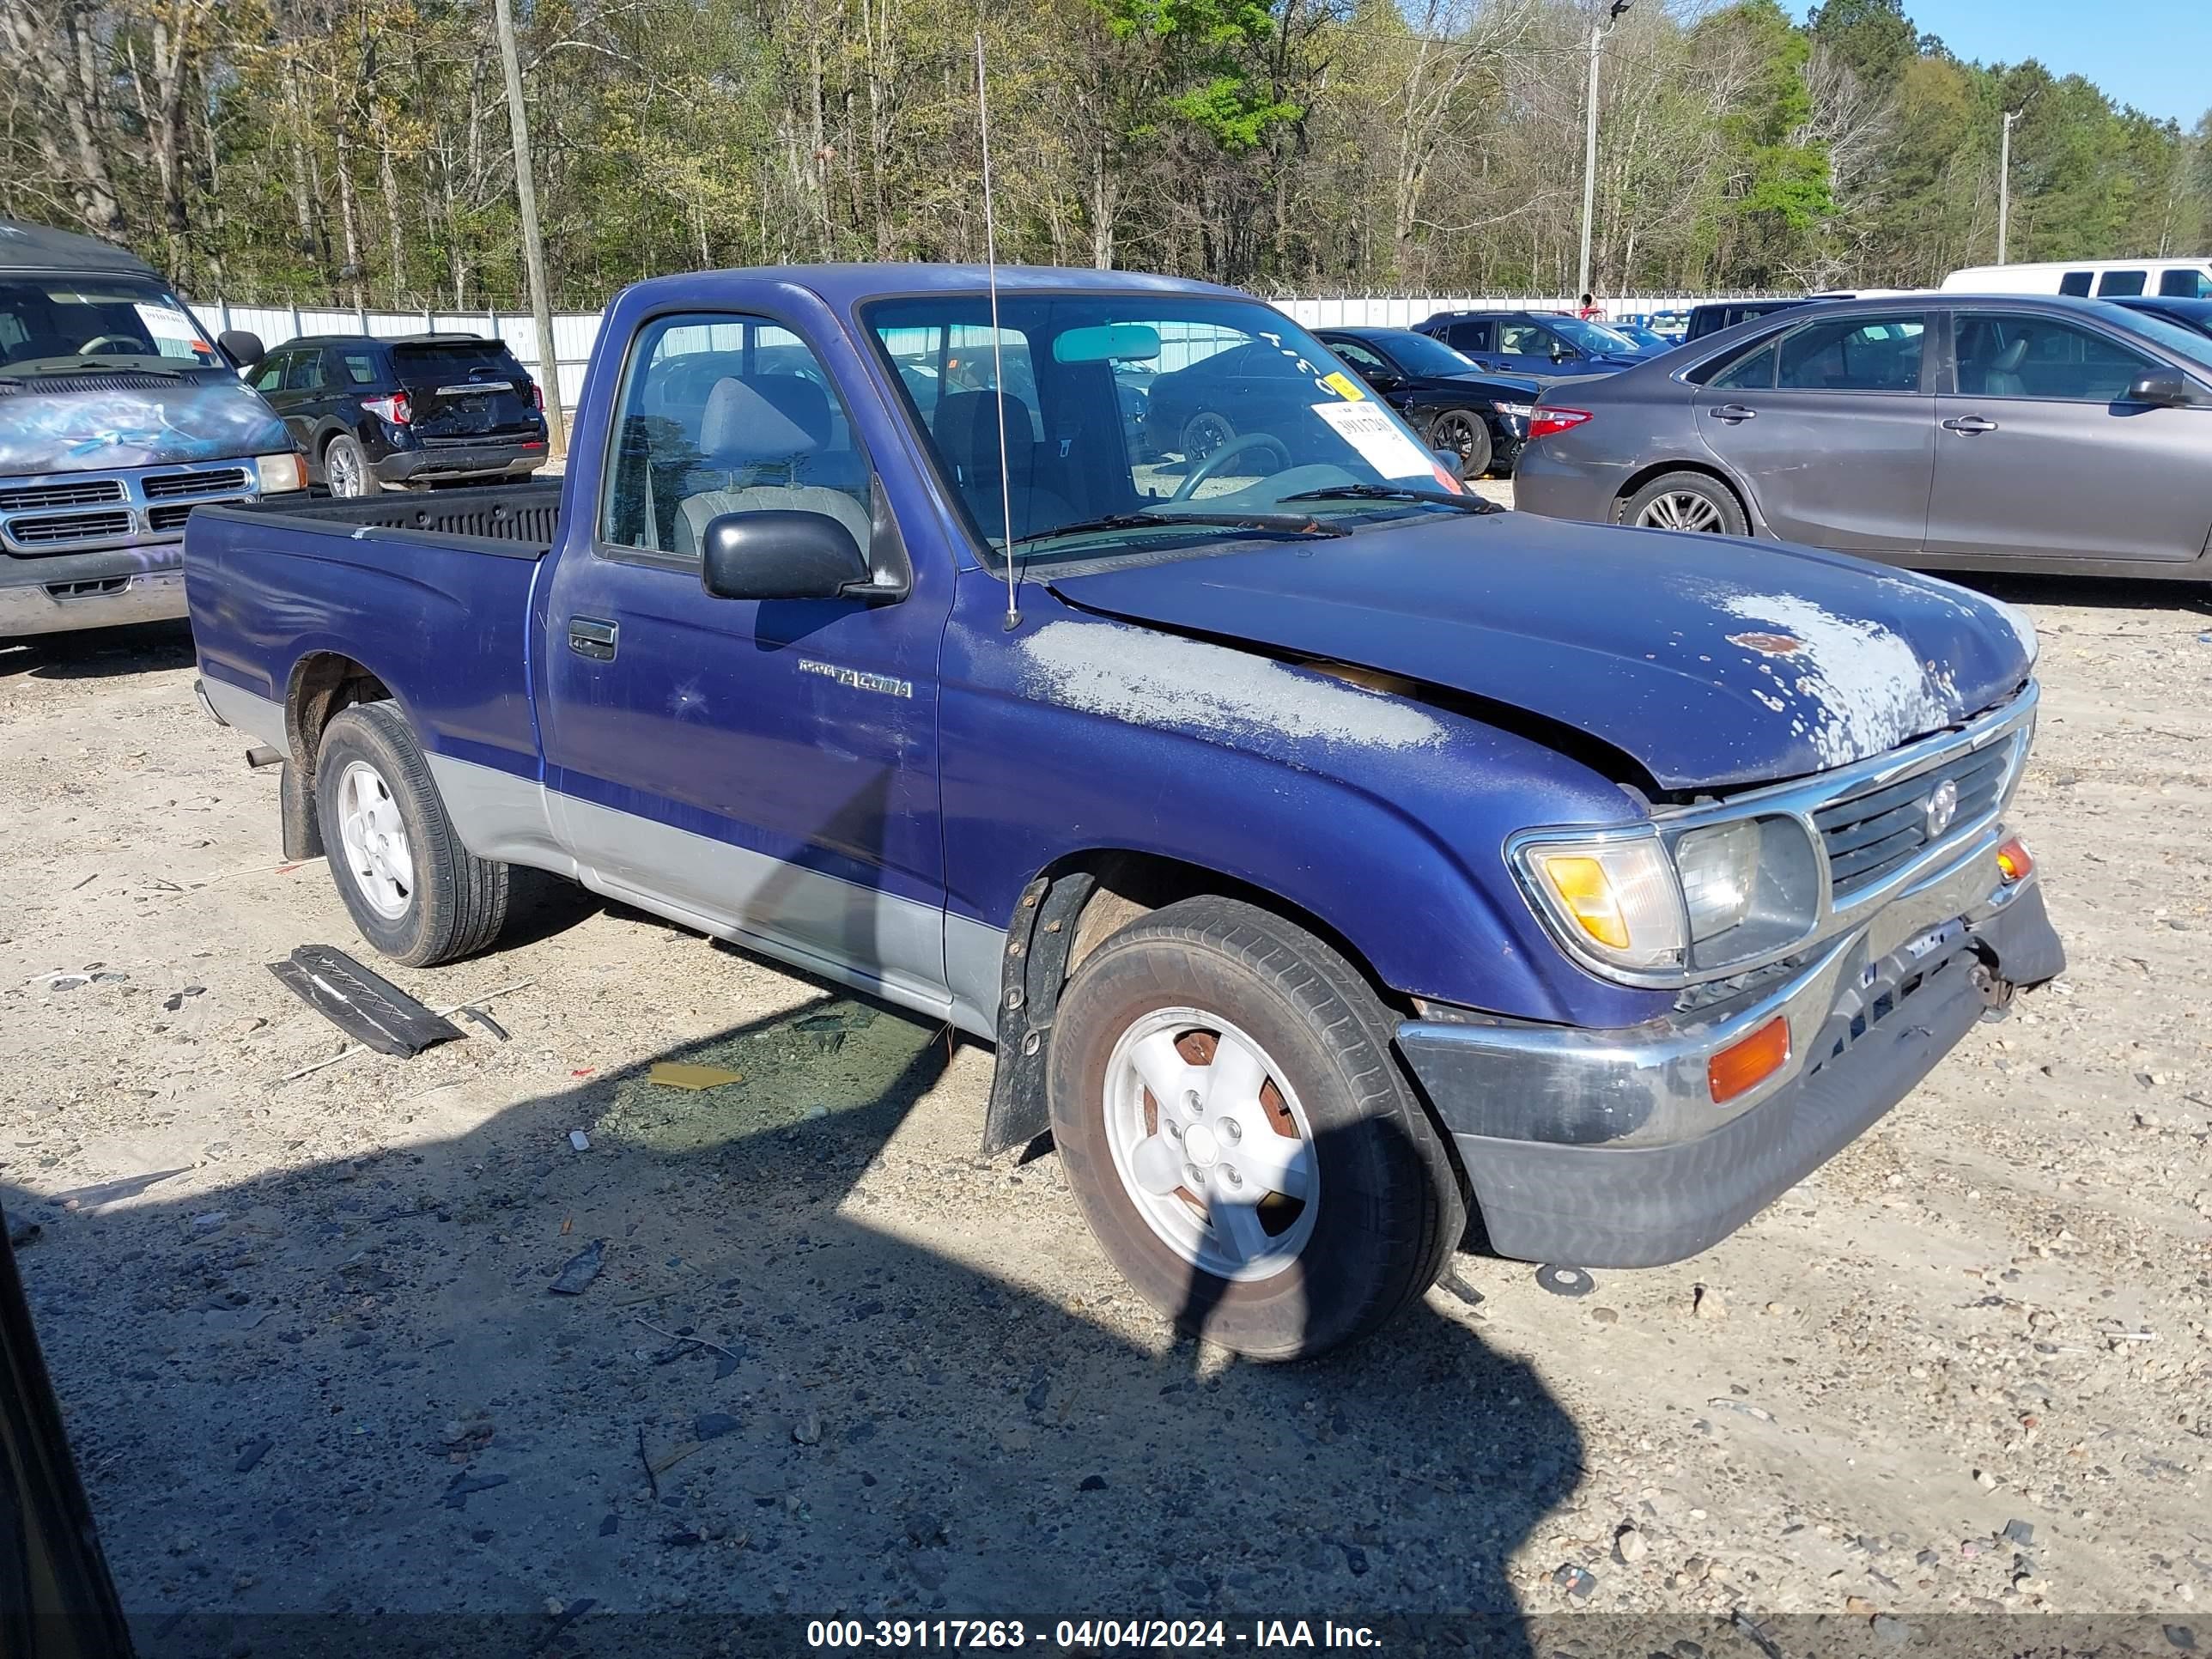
<point x="1089" y="1635"/>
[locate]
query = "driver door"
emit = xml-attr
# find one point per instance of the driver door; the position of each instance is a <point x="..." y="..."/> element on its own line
<point x="766" y="767"/>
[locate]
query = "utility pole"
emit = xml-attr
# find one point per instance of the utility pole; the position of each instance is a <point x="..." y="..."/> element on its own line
<point x="534" y="244"/>
<point x="1589" y="142"/>
<point x="2004" y="182"/>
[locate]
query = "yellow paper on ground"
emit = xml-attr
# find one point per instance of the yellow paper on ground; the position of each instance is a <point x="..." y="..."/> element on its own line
<point x="676" y="1074"/>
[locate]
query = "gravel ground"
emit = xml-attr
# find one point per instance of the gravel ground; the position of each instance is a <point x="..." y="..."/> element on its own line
<point x="836" y="1361"/>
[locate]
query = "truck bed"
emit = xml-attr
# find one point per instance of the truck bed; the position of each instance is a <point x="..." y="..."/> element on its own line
<point x="429" y="594"/>
<point x="506" y="519"/>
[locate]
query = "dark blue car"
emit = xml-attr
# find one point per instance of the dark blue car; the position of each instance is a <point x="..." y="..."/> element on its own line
<point x="1548" y="345"/>
<point x="1326" y="852"/>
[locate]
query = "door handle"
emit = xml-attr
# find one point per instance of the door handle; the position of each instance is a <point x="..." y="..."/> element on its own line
<point x="1735" y="413"/>
<point x="590" y="637"/>
<point x="1969" y="425"/>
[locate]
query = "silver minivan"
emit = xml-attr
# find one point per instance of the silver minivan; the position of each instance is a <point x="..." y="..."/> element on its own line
<point x="2008" y="432"/>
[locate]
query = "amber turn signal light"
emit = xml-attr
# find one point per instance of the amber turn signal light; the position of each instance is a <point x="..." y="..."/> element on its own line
<point x="1748" y="1062"/>
<point x="2014" y="862"/>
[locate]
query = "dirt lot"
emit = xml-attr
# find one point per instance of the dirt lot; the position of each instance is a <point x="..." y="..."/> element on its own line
<point x="314" y="1367"/>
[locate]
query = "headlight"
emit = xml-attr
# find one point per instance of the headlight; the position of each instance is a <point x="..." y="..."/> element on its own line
<point x="1519" y="411"/>
<point x="1670" y="905"/>
<point x="280" y="473"/>
<point x="1616" y="899"/>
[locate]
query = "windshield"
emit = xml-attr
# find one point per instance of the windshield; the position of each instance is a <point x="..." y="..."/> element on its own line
<point x="2180" y="340"/>
<point x="57" y="325"/>
<point x="1591" y="336"/>
<point x="1418" y="354"/>
<point x="1241" y="413"/>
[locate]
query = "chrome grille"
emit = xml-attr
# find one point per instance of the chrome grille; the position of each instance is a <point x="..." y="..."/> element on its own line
<point x="64" y="528"/>
<point x="1877" y="831"/>
<point x="169" y="486"/>
<point x="169" y="517"/>
<point x="92" y="492"/>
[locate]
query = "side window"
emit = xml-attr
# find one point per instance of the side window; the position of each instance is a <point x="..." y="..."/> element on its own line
<point x="2120" y="284"/>
<point x="2185" y="285"/>
<point x="1754" y="372"/>
<point x="304" y="372"/>
<point x="269" y="377"/>
<point x="1468" y="337"/>
<point x="359" y="368"/>
<point x="1523" y="339"/>
<point x="1853" y="354"/>
<point x="2002" y="356"/>
<point x="720" y="414"/>
<point x="2076" y="282"/>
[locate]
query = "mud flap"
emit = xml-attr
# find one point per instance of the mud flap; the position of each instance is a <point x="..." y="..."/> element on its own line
<point x="368" y="1008"/>
<point x="1033" y="970"/>
<point x="303" y="830"/>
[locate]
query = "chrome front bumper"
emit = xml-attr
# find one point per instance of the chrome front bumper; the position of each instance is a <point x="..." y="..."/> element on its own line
<point x="112" y="602"/>
<point x="1606" y="1148"/>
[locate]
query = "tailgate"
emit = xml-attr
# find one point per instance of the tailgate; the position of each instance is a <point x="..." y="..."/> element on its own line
<point x="466" y="389"/>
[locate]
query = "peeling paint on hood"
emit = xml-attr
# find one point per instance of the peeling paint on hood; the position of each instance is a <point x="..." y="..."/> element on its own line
<point x="1637" y="638"/>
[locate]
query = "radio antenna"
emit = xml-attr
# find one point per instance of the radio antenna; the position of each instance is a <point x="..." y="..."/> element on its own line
<point x="997" y="349"/>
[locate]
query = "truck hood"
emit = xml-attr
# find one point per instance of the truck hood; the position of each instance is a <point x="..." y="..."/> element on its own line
<point x="1711" y="662"/>
<point x="106" y="419"/>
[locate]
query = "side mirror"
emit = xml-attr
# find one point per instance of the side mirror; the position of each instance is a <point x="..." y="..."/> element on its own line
<point x="242" y="346"/>
<point x="1381" y="379"/>
<point x="1563" y="353"/>
<point x="2168" y="388"/>
<point x="780" y="554"/>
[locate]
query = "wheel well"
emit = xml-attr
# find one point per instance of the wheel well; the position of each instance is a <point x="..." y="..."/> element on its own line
<point x="323" y="684"/>
<point x="1661" y="468"/>
<point x="1133" y="884"/>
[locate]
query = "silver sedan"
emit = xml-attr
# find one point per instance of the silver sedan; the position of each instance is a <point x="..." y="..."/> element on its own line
<point x="1943" y="431"/>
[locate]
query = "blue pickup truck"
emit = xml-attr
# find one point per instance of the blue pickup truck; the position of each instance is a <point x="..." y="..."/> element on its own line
<point x="1341" y="866"/>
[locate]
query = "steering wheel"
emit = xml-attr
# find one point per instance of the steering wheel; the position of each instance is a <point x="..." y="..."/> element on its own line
<point x="100" y="342"/>
<point x="1236" y="447"/>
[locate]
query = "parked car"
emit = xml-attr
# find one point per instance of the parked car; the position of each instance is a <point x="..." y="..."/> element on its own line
<point x="1323" y="849"/>
<point x="419" y="410"/>
<point x="117" y="417"/>
<point x="1712" y="317"/>
<point x="2001" y="433"/>
<point x="1482" y="419"/>
<point x="1547" y="345"/>
<point x="1643" y="335"/>
<point x="2105" y="279"/>
<point x="2196" y="315"/>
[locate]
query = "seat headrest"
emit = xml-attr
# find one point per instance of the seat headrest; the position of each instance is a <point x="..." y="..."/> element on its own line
<point x="743" y="424"/>
<point x="967" y="428"/>
<point x="2010" y="360"/>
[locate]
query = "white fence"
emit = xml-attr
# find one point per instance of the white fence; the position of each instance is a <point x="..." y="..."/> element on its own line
<point x="575" y="333"/>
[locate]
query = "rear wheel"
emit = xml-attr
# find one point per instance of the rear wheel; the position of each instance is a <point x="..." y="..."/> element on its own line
<point x="1694" y="501"/>
<point x="346" y="469"/>
<point x="1204" y="433"/>
<point x="1239" y="1137"/>
<point x="415" y="892"/>
<point x="1465" y="435"/>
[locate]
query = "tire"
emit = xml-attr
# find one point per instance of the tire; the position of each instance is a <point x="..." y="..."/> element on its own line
<point x="1694" y="501"/>
<point x="1467" y="434"/>
<point x="1211" y="981"/>
<point x="428" y="899"/>
<point x="1204" y="433"/>
<point x="344" y="460"/>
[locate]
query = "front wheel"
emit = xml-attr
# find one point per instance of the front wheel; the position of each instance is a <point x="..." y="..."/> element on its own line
<point x="1239" y="1137"/>
<point x="1686" y="500"/>
<point x="1465" y="435"/>
<point x="413" y="889"/>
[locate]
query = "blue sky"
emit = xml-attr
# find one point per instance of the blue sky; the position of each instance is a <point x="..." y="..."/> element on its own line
<point x="2154" y="54"/>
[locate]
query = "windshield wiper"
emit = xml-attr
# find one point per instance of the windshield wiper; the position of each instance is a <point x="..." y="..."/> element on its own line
<point x="97" y="366"/>
<point x="1299" y="524"/>
<point x="1368" y="492"/>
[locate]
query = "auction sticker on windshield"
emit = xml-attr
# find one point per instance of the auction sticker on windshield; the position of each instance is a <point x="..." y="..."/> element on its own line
<point x="1344" y="386"/>
<point x="1382" y="443"/>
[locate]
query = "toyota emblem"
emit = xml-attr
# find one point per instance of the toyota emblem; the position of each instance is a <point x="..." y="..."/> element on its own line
<point x="1941" y="807"/>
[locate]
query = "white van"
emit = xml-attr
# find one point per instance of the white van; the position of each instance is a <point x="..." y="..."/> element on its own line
<point x="2104" y="279"/>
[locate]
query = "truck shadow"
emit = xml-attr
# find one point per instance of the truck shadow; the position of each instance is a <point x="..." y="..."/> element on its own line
<point x="99" y="653"/>
<point x="818" y="1372"/>
<point x="2102" y="593"/>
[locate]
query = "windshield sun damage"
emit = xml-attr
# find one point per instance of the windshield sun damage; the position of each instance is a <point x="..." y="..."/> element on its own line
<point x="71" y="325"/>
<point x="1134" y="419"/>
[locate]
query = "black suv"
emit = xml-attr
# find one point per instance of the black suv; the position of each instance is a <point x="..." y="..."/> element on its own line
<point x="411" y="412"/>
<point x="1481" y="418"/>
